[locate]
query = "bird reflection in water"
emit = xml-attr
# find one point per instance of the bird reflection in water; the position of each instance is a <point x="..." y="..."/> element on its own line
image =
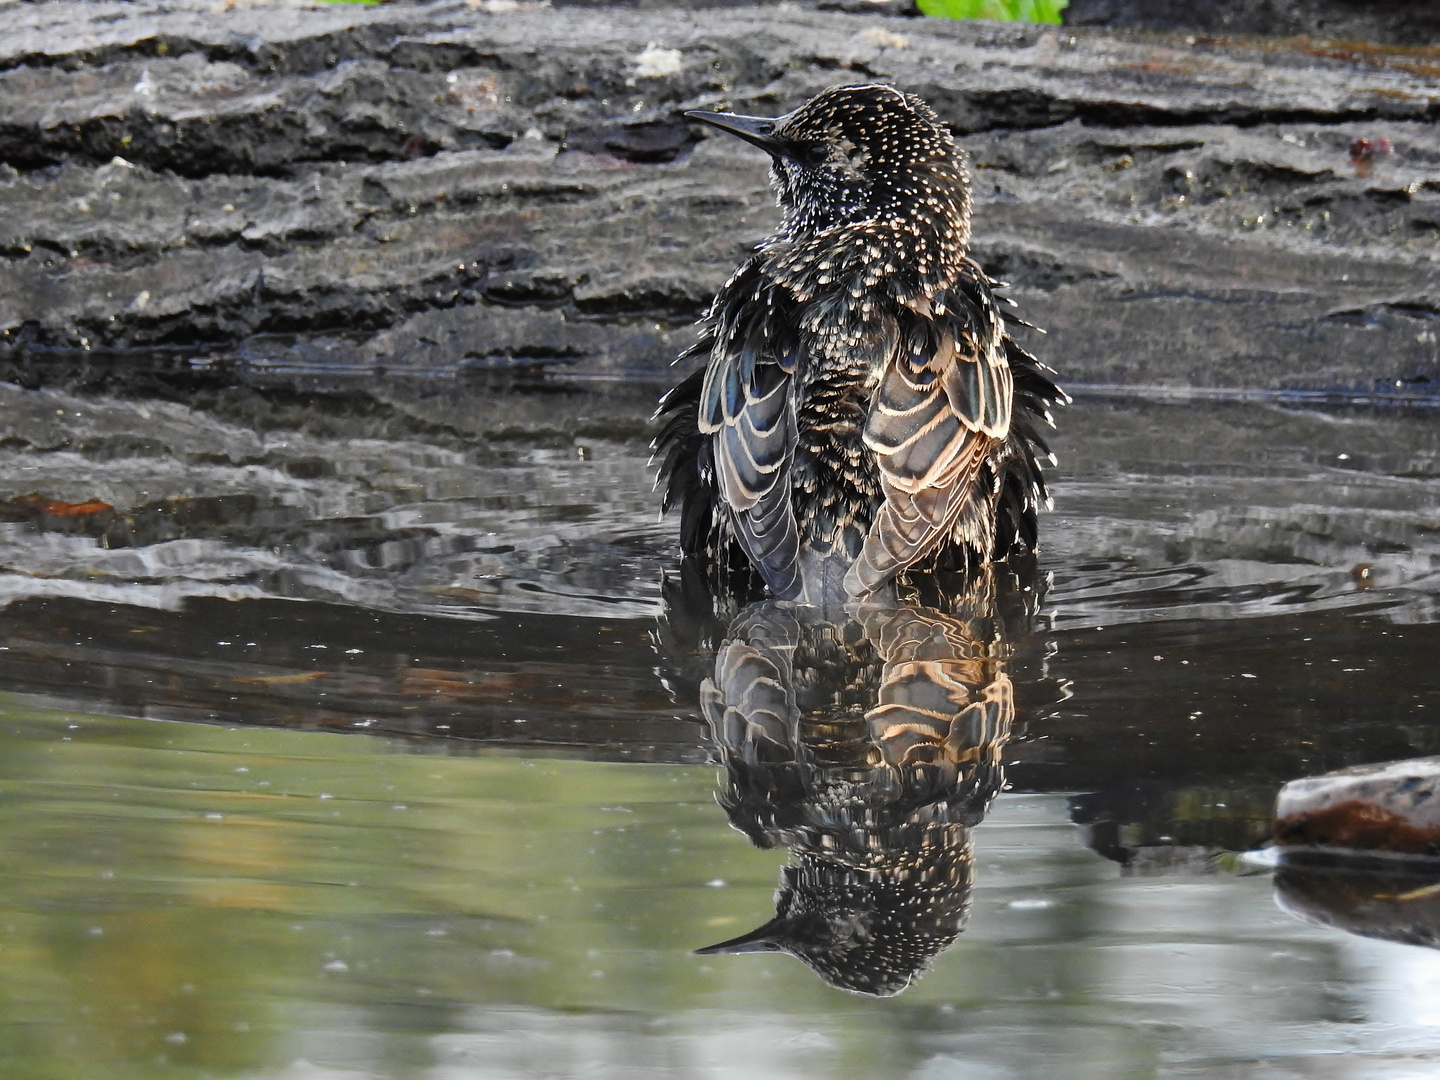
<point x="866" y="740"/>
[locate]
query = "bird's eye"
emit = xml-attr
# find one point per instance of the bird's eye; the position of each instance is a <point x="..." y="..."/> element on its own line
<point x="815" y="154"/>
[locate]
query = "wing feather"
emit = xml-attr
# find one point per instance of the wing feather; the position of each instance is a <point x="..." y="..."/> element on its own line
<point x="979" y="386"/>
<point x="747" y="409"/>
<point x="941" y="407"/>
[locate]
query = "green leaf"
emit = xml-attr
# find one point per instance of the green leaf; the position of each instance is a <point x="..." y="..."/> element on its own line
<point x="1035" y="11"/>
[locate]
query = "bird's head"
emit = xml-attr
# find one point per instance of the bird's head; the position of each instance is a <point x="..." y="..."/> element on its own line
<point x="871" y="923"/>
<point x="854" y="152"/>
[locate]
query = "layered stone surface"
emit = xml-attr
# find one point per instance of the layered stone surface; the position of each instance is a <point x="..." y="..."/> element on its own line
<point x="272" y="189"/>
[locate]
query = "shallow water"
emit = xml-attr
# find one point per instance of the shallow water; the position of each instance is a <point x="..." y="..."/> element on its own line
<point x="504" y="867"/>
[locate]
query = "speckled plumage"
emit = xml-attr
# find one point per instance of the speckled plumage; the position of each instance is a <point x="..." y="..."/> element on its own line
<point x="862" y="400"/>
<point x="870" y="747"/>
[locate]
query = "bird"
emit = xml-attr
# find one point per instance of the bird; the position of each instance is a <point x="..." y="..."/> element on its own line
<point x="869" y="743"/>
<point x="863" y="409"/>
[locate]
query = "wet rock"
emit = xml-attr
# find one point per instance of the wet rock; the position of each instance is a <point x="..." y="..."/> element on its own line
<point x="437" y="187"/>
<point x="1392" y="22"/>
<point x="1392" y="808"/>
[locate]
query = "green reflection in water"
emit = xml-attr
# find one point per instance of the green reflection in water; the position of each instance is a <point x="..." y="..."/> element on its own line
<point x="201" y="902"/>
<point x="179" y="895"/>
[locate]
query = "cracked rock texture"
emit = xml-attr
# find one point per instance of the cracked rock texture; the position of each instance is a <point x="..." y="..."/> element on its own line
<point x="281" y="190"/>
<point x="1391" y="22"/>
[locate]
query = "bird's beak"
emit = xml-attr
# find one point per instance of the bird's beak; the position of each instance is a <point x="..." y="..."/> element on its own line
<point x="761" y="939"/>
<point x="759" y="130"/>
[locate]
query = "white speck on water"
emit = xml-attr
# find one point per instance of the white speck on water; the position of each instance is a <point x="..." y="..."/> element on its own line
<point x="715" y="883"/>
<point x="337" y="966"/>
<point x="326" y="795"/>
<point x="1029" y="904"/>
<point x="213" y="816"/>
<point x="176" y="1038"/>
<point x="353" y="652"/>
<point x="1247" y="675"/>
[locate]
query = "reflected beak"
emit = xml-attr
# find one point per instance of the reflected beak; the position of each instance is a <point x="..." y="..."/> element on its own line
<point x="762" y="939"/>
<point x="758" y="130"/>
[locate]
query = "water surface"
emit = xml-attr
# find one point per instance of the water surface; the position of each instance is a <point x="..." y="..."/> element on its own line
<point x="360" y="736"/>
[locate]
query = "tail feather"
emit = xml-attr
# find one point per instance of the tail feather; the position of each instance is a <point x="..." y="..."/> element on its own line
<point x="1022" y="487"/>
<point x="685" y="476"/>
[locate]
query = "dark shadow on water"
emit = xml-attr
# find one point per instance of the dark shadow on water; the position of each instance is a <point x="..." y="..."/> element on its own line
<point x="1392" y="899"/>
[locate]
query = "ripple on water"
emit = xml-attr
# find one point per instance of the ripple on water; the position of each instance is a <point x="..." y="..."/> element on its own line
<point x="1237" y="595"/>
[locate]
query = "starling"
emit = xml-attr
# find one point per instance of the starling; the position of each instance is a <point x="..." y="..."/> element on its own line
<point x="863" y="409"/>
<point x="870" y="747"/>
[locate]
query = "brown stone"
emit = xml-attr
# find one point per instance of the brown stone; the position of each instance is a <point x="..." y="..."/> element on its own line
<point x="1392" y="808"/>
